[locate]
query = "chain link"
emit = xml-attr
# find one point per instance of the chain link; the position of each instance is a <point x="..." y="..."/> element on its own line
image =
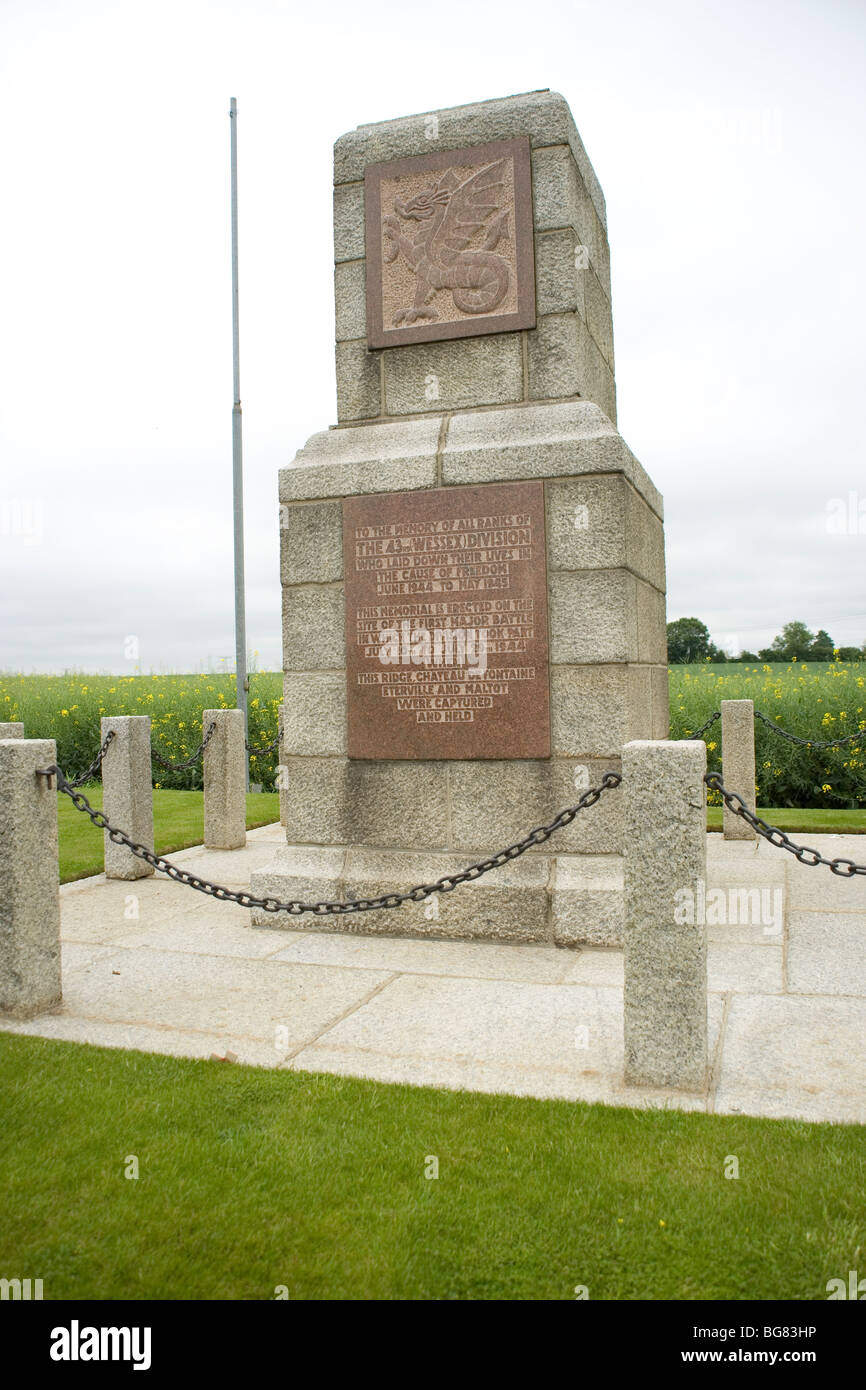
<point x="859" y="737"/>
<point x="268" y="748"/>
<point x="717" y="714"/>
<point x="190" y="762"/>
<point x="95" y="765"/>
<point x="446" y="884"/>
<point x="845" y="868"/>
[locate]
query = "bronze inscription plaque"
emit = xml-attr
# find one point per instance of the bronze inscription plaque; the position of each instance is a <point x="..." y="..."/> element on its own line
<point x="449" y="244"/>
<point x="446" y="623"/>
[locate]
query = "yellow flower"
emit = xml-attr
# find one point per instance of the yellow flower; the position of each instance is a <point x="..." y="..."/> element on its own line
<point x="64" y="712"/>
<point x="826" y="787"/>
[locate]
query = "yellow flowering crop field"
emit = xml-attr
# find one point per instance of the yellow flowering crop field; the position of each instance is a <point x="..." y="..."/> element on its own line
<point x="818" y="700"/>
<point x="68" y="709"/>
<point x="815" y="700"/>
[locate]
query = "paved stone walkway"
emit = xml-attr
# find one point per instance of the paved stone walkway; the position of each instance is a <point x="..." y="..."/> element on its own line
<point x="188" y="976"/>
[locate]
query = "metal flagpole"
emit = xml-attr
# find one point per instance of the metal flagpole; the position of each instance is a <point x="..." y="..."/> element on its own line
<point x="243" y="684"/>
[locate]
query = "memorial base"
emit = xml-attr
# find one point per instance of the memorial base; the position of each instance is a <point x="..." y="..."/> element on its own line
<point x="561" y="900"/>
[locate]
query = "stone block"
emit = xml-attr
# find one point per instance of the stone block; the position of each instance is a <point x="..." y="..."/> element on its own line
<point x="299" y="874"/>
<point x="29" y="892"/>
<point x="224" y="771"/>
<point x="559" y="195"/>
<point x="660" y="705"/>
<point x="652" y="643"/>
<point x="349" y="222"/>
<point x="507" y="904"/>
<point x="127" y="792"/>
<point x="350" y="300"/>
<point x="314" y="629"/>
<point x="559" y="284"/>
<point x="564" y="360"/>
<point x="453" y="375"/>
<point x="392" y="456"/>
<point x="494" y="804"/>
<point x="11" y="730"/>
<point x="543" y="116"/>
<point x="598" y="315"/>
<point x="588" y="904"/>
<point x="594" y="710"/>
<point x="645" y="542"/>
<point x="359" y="388"/>
<point x="314" y="718"/>
<point x="332" y="801"/>
<point x="540" y="440"/>
<point x="593" y="617"/>
<point x="311" y="542"/>
<point x="738" y="764"/>
<point x="665" y="997"/>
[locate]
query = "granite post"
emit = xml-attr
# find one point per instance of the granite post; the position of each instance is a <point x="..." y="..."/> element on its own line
<point x="127" y="788"/>
<point x="738" y="764"/>
<point x="225" y="801"/>
<point x="29" y="880"/>
<point x="665" y="995"/>
<point x="13" y="730"/>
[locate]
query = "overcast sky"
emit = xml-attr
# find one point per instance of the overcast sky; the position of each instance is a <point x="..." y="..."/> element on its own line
<point x="728" y="139"/>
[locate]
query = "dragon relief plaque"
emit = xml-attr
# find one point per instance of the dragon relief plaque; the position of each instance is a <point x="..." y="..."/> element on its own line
<point x="449" y="244"/>
<point x="446" y="623"/>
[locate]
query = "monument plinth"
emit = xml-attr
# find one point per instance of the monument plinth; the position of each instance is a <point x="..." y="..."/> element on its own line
<point x="472" y="558"/>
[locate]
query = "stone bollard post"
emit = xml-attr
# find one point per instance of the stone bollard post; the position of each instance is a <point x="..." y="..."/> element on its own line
<point x="225" y="783"/>
<point x="127" y="787"/>
<point x="13" y="730"/>
<point x="281" y="769"/>
<point x="738" y="764"/>
<point x="665" y="997"/>
<point x="29" y="880"/>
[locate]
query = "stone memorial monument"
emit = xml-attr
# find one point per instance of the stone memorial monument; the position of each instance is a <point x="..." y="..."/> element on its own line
<point x="472" y="559"/>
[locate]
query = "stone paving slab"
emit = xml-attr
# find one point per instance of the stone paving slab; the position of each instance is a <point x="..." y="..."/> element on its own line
<point x="153" y="965"/>
<point x="800" y="1056"/>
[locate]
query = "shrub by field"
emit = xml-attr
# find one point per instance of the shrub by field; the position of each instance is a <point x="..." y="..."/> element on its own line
<point x="814" y="700"/>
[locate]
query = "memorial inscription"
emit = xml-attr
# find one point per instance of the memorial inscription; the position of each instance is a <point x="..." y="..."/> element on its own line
<point x="449" y="244"/>
<point x="446" y="623"/>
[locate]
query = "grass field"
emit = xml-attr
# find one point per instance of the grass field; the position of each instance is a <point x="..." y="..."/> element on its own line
<point x="250" y="1179"/>
<point x="178" y="821"/>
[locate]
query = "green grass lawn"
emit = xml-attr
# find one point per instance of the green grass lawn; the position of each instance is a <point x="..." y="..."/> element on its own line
<point x="250" y="1179"/>
<point x="178" y="821"/>
<point x="816" y="821"/>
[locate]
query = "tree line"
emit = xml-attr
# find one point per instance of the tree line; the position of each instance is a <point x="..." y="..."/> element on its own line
<point x="689" y="640"/>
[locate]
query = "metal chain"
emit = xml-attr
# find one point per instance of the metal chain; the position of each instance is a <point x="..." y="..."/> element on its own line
<point x="95" y="765"/>
<point x="717" y="714"/>
<point x="859" y="737"/>
<point x="181" y="767"/>
<point x="845" y="868"/>
<point x="268" y="748"/>
<point x="446" y="884"/>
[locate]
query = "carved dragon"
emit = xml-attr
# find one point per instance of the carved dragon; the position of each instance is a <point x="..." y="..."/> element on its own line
<point x="451" y="214"/>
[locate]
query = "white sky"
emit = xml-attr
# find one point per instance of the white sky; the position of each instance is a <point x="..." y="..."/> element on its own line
<point x="728" y="139"/>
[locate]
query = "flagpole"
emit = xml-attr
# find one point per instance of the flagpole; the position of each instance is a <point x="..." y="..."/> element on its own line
<point x="243" y="684"/>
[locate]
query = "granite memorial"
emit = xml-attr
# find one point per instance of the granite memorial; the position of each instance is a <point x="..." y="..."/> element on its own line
<point x="472" y="558"/>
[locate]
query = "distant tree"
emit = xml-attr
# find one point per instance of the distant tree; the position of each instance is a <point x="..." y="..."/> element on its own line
<point x="822" y="647"/>
<point x="748" y="656"/>
<point x="851" y="654"/>
<point x="688" y="640"/>
<point x="794" y="643"/>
